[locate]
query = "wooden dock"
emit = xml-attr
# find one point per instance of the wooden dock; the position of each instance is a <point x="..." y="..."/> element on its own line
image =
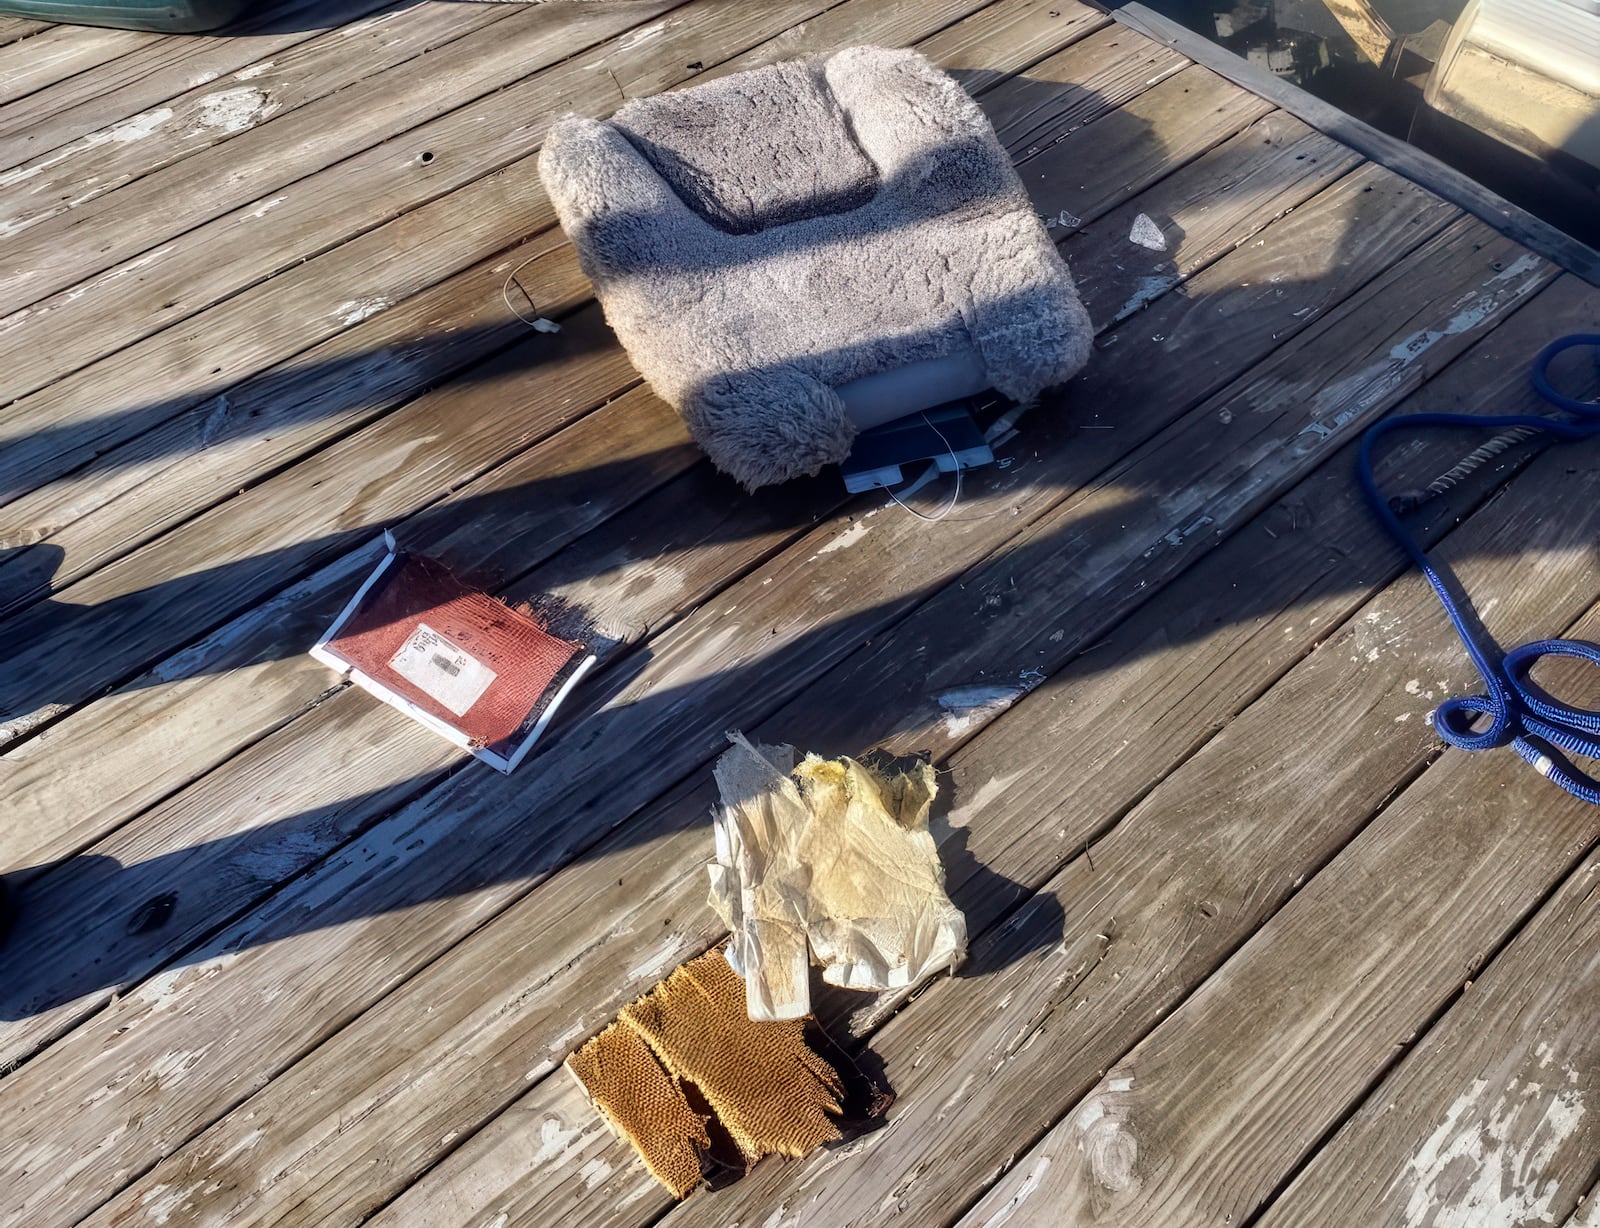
<point x="1249" y="948"/>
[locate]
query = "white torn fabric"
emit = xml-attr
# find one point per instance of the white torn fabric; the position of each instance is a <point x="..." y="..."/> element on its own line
<point x="830" y="858"/>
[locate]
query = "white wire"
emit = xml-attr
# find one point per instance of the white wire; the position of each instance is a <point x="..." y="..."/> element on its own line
<point x="537" y="322"/>
<point x="955" y="496"/>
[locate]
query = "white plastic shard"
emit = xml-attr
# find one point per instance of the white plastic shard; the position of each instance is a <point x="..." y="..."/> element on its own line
<point x="831" y="858"/>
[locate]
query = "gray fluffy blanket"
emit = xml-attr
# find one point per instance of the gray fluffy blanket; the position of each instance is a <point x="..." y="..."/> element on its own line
<point x="761" y="240"/>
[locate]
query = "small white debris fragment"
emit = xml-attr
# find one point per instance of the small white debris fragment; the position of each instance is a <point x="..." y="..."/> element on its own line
<point x="1147" y="234"/>
<point x="543" y="325"/>
<point x="358" y="309"/>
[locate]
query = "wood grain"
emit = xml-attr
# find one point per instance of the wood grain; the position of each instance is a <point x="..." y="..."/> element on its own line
<point x="50" y="995"/>
<point x="147" y="263"/>
<point x="67" y="176"/>
<point x="48" y="434"/>
<point x="1491" y="1115"/>
<point x="1353" y="966"/>
<point x="213" y="567"/>
<point x="1247" y="270"/>
<point x="1055" y="997"/>
<point x="149" y="560"/>
<point x="710" y="600"/>
<point x="91" y="101"/>
<point x="805" y="595"/>
<point x="1203" y="211"/>
<point x="44" y="985"/>
<point x="202" y="456"/>
<point x="408" y="346"/>
<point x="58" y="52"/>
<point x="1382" y="147"/>
<point x="1133" y="708"/>
<point x="12" y="29"/>
<point x="1231" y="289"/>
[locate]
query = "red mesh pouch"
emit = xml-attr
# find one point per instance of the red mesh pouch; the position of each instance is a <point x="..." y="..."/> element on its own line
<point x="456" y="653"/>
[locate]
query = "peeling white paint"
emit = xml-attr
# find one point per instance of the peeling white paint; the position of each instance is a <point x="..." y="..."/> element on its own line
<point x="658" y="963"/>
<point x="1484" y="1163"/>
<point x="1104" y="1135"/>
<point x="594" y="1172"/>
<point x="120" y="133"/>
<point x="234" y="110"/>
<point x="1368" y="387"/>
<point x="358" y="309"/>
<point x="845" y="540"/>
<point x="160" y="1201"/>
<point x="984" y="796"/>
<point x="1148" y="290"/>
<point x="263" y="208"/>
<point x="253" y="71"/>
<point x="555" y="1140"/>
<point x="563" y="1043"/>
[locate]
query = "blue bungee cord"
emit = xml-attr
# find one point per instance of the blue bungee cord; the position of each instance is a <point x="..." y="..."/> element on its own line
<point x="1539" y="726"/>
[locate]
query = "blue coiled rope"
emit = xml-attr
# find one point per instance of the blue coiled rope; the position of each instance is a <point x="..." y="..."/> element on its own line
<point x="1538" y="725"/>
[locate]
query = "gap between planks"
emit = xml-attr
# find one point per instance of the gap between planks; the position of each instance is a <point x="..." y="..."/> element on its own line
<point x="987" y="771"/>
<point x="607" y="436"/>
<point x="483" y="821"/>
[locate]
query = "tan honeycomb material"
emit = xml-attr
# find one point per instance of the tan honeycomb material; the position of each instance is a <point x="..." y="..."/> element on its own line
<point x="768" y="1087"/>
<point x="702" y="1092"/>
<point x="644" y="1104"/>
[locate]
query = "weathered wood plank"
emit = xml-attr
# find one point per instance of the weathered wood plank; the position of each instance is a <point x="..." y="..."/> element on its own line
<point x="58" y="52"/>
<point x="282" y="803"/>
<point x="147" y="563"/>
<point x="274" y="212"/>
<point x="1063" y="93"/>
<point x="68" y="176"/>
<point x="13" y="29"/>
<point x="1203" y="1118"/>
<point x="481" y="102"/>
<point x="1248" y="272"/>
<point x="55" y="819"/>
<point x="412" y="345"/>
<point x="203" y="456"/>
<point x="680" y="701"/>
<point x="49" y="118"/>
<point x="210" y="568"/>
<point x="1169" y="894"/>
<point x="1492" y="1115"/>
<point x="59" y="802"/>
<point x="1164" y="681"/>
<point x="1217" y="203"/>
<point x="55" y="829"/>
<point x="1382" y="147"/>
<point x="47" y="433"/>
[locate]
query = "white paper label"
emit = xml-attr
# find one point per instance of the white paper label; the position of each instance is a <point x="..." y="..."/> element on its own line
<point x="453" y="678"/>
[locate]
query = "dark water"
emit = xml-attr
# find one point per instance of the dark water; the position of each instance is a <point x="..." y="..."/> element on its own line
<point x="1300" y="41"/>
